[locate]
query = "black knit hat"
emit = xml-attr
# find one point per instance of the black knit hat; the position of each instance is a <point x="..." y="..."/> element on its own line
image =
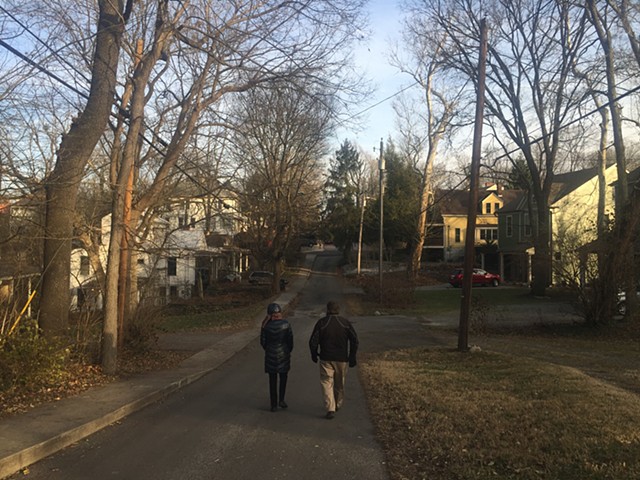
<point x="273" y="308"/>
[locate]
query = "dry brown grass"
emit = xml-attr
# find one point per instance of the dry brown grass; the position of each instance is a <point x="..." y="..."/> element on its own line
<point x="441" y="414"/>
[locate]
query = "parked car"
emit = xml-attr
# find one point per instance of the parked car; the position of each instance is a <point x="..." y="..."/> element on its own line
<point x="260" y="278"/>
<point x="480" y="277"/>
<point x="621" y="306"/>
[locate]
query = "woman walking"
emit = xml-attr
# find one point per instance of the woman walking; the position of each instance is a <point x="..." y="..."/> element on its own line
<point x="276" y="338"/>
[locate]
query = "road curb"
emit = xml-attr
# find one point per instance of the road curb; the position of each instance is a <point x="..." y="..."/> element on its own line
<point x="189" y="371"/>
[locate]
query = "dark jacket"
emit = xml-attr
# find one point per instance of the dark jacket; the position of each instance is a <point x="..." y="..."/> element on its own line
<point x="276" y="337"/>
<point x="336" y="338"/>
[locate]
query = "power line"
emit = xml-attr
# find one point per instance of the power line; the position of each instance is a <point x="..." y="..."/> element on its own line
<point x="355" y="115"/>
<point x="570" y="123"/>
<point x="42" y="69"/>
<point x="370" y="107"/>
<point x="45" y="44"/>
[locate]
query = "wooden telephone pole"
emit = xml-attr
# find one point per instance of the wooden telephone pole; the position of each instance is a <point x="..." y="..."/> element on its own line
<point x="469" y="247"/>
<point x="381" y="251"/>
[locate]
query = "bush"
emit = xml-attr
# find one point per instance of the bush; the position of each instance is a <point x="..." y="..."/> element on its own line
<point x="142" y="330"/>
<point x="29" y="360"/>
<point x="397" y="290"/>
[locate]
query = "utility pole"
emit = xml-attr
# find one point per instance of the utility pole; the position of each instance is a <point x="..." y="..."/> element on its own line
<point x="362" y="207"/>
<point x="469" y="247"/>
<point x="381" y="165"/>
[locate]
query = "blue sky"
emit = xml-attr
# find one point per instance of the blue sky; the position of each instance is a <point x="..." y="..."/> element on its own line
<point x="372" y="59"/>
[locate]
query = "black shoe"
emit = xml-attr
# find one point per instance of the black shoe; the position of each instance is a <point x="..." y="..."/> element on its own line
<point x="330" y="415"/>
<point x="274" y="408"/>
<point x="283" y="404"/>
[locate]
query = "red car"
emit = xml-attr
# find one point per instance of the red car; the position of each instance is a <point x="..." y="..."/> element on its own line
<point x="480" y="277"/>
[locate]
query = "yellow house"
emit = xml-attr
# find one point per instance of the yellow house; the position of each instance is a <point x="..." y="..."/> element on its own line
<point x="448" y="233"/>
<point x="573" y="218"/>
<point x="573" y="205"/>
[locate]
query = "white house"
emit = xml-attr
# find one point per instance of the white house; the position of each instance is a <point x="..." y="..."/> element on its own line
<point x="189" y="245"/>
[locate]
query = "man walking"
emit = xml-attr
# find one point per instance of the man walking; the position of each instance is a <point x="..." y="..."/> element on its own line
<point x="338" y="343"/>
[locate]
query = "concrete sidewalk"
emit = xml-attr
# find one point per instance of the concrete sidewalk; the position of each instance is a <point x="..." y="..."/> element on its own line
<point x="30" y="437"/>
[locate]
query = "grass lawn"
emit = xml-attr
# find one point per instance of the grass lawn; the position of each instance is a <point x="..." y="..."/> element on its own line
<point x="448" y="299"/>
<point x="227" y="319"/>
<point x="441" y="414"/>
<point x="434" y="301"/>
<point x="556" y="402"/>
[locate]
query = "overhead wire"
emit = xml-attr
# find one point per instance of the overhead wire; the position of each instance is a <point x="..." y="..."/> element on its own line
<point x="56" y="53"/>
<point x="351" y="117"/>
<point x="121" y="111"/>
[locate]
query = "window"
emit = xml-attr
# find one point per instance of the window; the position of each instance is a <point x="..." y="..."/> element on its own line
<point x="84" y="265"/>
<point x="458" y="235"/>
<point x="509" y="225"/>
<point x="488" y="234"/>
<point x="496" y="207"/>
<point x="172" y="266"/>
<point x="527" y="225"/>
<point x="226" y="223"/>
<point x="487" y="207"/>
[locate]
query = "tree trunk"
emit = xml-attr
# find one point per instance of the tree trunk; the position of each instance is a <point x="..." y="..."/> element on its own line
<point x="74" y="152"/>
<point x="622" y="194"/>
<point x="421" y="227"/>
<point x="541" y="261"/>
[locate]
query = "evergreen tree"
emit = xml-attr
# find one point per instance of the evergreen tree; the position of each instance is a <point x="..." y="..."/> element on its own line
<point x="402" y="199"/>
<point x="343" y="196"/>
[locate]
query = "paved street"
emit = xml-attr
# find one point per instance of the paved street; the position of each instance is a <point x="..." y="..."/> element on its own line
<point x="221" y="427"/>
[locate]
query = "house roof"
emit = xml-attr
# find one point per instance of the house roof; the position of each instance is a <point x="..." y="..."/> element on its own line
<point x="518" y="202"/>
<point x="455" y="202"/>
<point x="563" y="184"/>
<point x="452" y="201"/>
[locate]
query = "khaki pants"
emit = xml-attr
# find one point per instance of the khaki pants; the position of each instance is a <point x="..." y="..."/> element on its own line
<point x="332" y="379"/>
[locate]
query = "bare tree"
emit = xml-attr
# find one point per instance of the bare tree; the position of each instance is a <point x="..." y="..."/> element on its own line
<point x="441" y="98"/>
<point x="75" y="150"/>
<point x="283" y="139"/>
<point x="602" y="17"/>
<point x="530" y="92"/>
<point x="196" y="56"/>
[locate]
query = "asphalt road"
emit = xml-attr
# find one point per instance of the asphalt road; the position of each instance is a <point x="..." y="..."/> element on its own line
<point x="221" y="427"/>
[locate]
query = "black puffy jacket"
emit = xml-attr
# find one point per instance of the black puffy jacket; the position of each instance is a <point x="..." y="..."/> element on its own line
<point x="276" y="337"/>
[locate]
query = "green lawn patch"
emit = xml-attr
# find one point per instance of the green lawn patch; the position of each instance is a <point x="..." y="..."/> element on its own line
<point x="220" y="319"/>
<point x="435" y="301"/>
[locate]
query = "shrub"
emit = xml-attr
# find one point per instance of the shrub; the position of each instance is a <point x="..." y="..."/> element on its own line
<point x="142" y="330"/>
<point x="397" y="290"/>
<point x="29" y="360"/>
